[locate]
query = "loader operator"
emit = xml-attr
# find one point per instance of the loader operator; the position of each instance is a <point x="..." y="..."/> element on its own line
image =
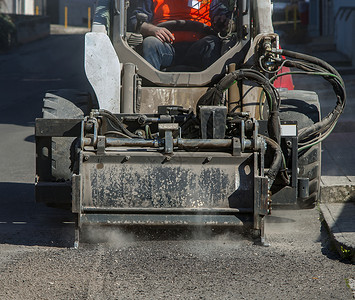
<point x="163" y="48"/>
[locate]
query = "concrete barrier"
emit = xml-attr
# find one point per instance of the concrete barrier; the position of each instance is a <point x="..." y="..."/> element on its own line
<point x="30" y="28"/>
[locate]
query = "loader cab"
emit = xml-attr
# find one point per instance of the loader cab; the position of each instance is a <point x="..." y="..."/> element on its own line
<point x="235" y="45"/>
<point x="139" y="87"/>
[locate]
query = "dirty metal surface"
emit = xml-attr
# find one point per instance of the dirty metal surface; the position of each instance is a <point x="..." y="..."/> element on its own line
<point x="139" y="179"/>
<point x="160" y="219"/>
<point x="152" y="97"/>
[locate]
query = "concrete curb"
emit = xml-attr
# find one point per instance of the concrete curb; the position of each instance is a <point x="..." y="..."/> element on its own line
<point x="340" y="223"/>
<point x="60" y="29"/>
<point x="337" y="189"/>
<point x="32" y="29"/>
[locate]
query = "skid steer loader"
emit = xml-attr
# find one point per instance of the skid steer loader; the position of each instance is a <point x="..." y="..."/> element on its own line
<point x="218" y="146"/>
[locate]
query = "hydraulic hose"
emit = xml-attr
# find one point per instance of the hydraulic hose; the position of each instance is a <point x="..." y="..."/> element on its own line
<point x="309" y="58"/>
<point x="214" y="96"/>
<point x="276" y="162"/>
<point x="117" y="122"/>
<point x="315" y="66"/>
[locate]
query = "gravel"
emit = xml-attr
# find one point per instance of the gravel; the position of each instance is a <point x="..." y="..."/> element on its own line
<point x="183" y="264"/>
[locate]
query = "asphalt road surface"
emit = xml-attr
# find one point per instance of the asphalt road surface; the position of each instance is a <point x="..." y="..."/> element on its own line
<point x="37" y="260"/>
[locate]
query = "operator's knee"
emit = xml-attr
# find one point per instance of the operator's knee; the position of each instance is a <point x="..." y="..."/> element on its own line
<point x="204" y="52"/>
<point x="211" y="44"/>
<point x="213" y="39"/>
<point x="151" y="43"/>
<point x="212" y="49"/>
<point x="157" y="53"/>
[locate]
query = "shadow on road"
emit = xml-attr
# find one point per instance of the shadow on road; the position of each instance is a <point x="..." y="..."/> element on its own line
<point x="279" y="220"/>
<point x="23" y="222"/>
<point x="27" y="72"/>
<point x="30" y="138"/>
<point x="328" y="247"/>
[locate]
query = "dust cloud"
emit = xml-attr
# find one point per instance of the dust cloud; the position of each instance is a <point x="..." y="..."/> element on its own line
<point x="281" y="221"/>
<point x="210" y="242"/>
<point x="200" y="238"/>
<point x="114" y="237"/>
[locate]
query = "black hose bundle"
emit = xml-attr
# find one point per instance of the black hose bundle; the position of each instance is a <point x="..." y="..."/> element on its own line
<point x="308" y="136"/>
<point x="214" y="96"/>
<point x="276" y="162"/>
<point x="314" y="60"/>
<point x="314" y="66"/>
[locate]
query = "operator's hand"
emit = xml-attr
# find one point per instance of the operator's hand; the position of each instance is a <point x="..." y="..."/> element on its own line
<point x="220" y="23"/>
<point x="161" y="33"/>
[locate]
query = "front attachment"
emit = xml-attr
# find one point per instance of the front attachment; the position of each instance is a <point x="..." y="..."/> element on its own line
<point x="168" y="175"/>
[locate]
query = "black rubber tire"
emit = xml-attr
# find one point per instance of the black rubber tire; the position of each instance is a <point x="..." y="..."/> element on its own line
<point x="303" y="107"/>
<point x="64" y="104"/>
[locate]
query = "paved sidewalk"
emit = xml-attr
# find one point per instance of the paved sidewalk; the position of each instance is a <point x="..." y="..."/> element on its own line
<point x="340" y="221"/>
<point x="337" y="206"/>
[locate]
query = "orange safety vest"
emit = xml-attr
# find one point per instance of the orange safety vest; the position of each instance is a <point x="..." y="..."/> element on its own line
<point x="194" y="10"/>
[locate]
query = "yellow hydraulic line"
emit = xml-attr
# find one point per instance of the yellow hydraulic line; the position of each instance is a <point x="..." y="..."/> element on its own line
<point x="65" y="16"/>
<point x="89" y="18"/>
